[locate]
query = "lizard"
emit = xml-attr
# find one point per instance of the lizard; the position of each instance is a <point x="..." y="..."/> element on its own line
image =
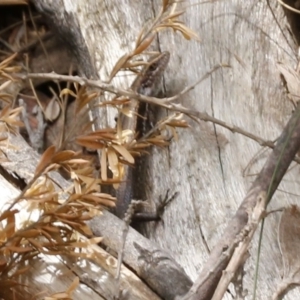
<point x="144" y="84"/>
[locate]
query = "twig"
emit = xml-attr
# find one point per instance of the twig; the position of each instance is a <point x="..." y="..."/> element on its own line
<point x="166" y="103"/>
<point x="191" y="87"/>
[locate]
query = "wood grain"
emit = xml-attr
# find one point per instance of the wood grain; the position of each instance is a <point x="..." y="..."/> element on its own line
<point x="207" y="174"/>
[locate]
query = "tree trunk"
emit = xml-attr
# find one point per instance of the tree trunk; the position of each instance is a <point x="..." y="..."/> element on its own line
<point x="206" y="164"/>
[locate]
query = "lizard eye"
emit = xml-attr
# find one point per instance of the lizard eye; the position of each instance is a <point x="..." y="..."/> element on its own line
<point x="153" y="67"/>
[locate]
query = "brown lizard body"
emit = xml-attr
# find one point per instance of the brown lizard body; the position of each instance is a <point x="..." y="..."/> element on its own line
<point x="144" y="84"/>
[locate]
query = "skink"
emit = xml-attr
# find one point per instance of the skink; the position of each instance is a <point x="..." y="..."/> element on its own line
<point x="144" y="84"/>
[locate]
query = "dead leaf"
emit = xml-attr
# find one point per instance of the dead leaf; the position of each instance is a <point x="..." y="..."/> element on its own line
<point x="13" y="2"/>
<point x="289" y="242"/>
<point x="124" y="153"/>
<point x="120" y="63"/>
<point x="52" y="110"/>
<point x="144" y="44"/>
<point x="292" y="79"/>
<point x="45" y="160"/>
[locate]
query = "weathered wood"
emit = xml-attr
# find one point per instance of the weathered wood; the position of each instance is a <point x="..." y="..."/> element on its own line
<point x="154" y="265"/>
<point x="206" y="164"/>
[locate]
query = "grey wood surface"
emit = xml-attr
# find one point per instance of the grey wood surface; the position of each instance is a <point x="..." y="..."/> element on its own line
<point x="206" y="164"/>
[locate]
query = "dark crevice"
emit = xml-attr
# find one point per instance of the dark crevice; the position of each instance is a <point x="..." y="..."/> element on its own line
<point x="219" y="154"/>
<point x="198" y="221"/>
<point x="293" y="18"/>
<point x="13" y="178"/>
<point x="217" y="140"/>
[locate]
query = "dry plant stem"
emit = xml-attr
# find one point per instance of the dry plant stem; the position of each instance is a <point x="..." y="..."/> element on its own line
<point x="155" y="22"/>
<point x="39" y="38"/>
<point x="288" y="7"/>
<point x="240" y="253"/>
<point x="162" y="102"/>
<point x="266" y="182"/>
<point x="282" y="288"/>
<point x="21" y="195"/>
